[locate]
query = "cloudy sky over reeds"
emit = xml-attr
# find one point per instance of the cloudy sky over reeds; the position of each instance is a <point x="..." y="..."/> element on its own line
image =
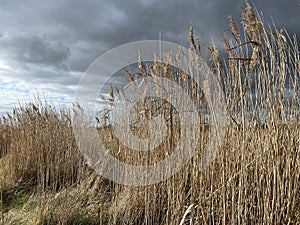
<point x="47" y="45"/>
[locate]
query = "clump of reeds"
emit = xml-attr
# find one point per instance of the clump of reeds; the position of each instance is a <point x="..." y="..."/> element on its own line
<point x="40" y="146"/>
<point x="255" y="177"/>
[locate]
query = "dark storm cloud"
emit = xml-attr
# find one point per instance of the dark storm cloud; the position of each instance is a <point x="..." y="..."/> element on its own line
<point x="284" y="14"/>
<point x="34" y="49"/>
<point x="86" y="29"/>
<point x="49" y="43"/>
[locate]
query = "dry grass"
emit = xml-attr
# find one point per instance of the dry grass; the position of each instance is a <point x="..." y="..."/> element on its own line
<point x="254" y="179"/>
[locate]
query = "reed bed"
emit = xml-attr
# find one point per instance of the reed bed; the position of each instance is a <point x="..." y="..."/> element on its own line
<point x="254" y="178"/>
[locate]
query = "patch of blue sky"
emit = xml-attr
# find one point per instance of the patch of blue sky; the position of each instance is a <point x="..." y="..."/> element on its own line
<point x="12" y="87"/>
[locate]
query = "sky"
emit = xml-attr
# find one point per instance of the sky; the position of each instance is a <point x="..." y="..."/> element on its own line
<point x="46" y="46"/>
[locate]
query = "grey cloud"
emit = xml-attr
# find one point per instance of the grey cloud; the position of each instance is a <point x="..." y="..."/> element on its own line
<point x="50" y="43"/>
<point x="35" y="49"/>
<point x="283" y="13"/>
<point x="90" y="28"/>
<point x="36" y="77"/>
